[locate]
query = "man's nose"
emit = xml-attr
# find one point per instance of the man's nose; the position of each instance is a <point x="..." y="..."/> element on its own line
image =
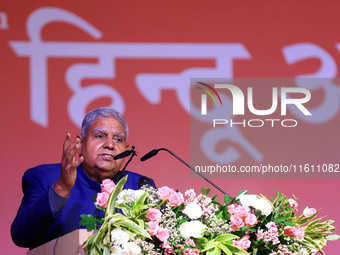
<point x="109" y="144"/>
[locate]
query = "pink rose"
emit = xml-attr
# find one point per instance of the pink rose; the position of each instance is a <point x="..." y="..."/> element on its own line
<point x="271" y="225"/>
<point x="168" y="248"/>
<point x="206" y="201"/>
<point x="231" y="209"/>
<point x="250" y="220"/>
<point x="209" y="211"/>
<point x="190" y="242"/>
<point x="293" y="204"/>
<point x="102" y="199"/>
<point x="162" y="234"/>
<point x="165" y="192"/>
<point x="289" y="231"/>
<point x="299" y="233"/>
<point x="166" y="245"/>
<point x="243" y="243"/>
<point x="153" y="214"/>
<point x="309" y="211"/>
<point x="189" y="251"/>
<point x="242" y="211"/>
<point x="236" y="222"/>
<point x="176" y="199"/>
<point x="190" y="195"/>
<point x="259" y="234"/>
<point x="154" y="227"/>
<point x="108" y="186"/>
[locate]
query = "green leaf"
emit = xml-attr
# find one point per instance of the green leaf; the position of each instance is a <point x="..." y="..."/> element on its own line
<point x="97" y="249"/>
<point x="227" y="199"/>
<point x="106" y="251"/>
<point x="205" y="191"/>
<point x="225" y="210"/>
<point x="219" y="214"/>
<point x="89" y="221"/>
<point x="120" y="220"/>
<point x="226" y="237"/>
<point x="277" y="193"/>
<point x="281" y="218"/>
<point x="141" y="223"/>
<point x="225" y="249"/>
<point x="201" y="242"/>
<point x="213" y="252"/>
<point x="142" y="199"/>
<point x="211" y="244"/>
<point x="236" y="250"/>
<point x="214" y="199"/>
<point x="92" y="245"/>
<point x="332" y="237"/>
<point x="113" y="197"/>
<point x="242" y="192"/>
<point x="312" y="242"/>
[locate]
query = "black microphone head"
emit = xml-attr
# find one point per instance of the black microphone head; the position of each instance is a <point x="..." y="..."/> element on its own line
<point x="148" y="155"/>
<point x="145" y="182"/>
<point x="123" y="154"/>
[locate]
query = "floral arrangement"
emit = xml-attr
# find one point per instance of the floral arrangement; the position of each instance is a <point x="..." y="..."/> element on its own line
<point x="163" y="221"/>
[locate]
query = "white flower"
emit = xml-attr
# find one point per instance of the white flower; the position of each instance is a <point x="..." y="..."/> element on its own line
<point x="129" y="195"/>
<point x="119" y="237"/>
<point x="131" y="248"/>
<point x="116" y="250"/>
<point x="193" y="210"/>
<point x="248" y="200"/>
<point x="302" y="251"/>
<point x="264" y="206"/>
<point x="258" y="203"/>
<point x="192" y="229"/>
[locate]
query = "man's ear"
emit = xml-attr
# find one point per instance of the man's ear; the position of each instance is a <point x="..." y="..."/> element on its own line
<point x="81" y="144"/>
<point x="127" y="146"/>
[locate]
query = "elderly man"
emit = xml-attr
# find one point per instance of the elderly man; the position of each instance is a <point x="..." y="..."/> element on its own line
<point x="55" y="195"/>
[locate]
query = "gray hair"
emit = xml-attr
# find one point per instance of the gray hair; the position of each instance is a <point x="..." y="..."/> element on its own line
<point x="102" y="112"/>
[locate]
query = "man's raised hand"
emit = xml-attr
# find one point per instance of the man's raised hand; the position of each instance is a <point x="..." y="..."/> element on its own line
<point x="69" y="164"/>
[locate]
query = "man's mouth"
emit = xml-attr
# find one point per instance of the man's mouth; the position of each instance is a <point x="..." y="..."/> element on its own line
<point x="107" y="156"/>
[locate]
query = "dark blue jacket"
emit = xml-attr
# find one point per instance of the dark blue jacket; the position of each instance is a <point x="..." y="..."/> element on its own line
<point x="35" y="222"/>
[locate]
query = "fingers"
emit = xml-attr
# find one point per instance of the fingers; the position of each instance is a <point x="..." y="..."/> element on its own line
<point x="70" y="150"/>
<point x="67" y="142"/>
<point x="79" y="161"/>
<point x="69" y="164"/>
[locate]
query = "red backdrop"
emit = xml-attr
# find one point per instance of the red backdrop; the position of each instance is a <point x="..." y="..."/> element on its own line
<point x="62" y="60"/>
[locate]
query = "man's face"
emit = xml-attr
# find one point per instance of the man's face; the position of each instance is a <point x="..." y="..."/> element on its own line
<point x="104" y="139"/>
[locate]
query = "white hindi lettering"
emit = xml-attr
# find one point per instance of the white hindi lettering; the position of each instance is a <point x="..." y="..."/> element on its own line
<point x="322" y="79"/>
<point x="39" y="52"/>
<point x="3" y="21"/>
<point x="150" y="85"/>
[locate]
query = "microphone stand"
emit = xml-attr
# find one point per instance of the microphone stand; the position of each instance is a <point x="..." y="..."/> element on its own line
<point x="133" y="153"/>
<point x="185" y="163"/>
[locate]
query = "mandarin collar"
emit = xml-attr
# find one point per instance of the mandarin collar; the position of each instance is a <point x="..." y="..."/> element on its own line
<point x="92" y="184"/>
<point x="86" y="180"/>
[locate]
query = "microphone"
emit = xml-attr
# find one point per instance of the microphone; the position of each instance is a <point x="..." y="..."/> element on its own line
<point x="123" y="154"/>
<point x="145" y="182"/>
<point x="154" y="153"/>
<point x="148" y="155"/>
